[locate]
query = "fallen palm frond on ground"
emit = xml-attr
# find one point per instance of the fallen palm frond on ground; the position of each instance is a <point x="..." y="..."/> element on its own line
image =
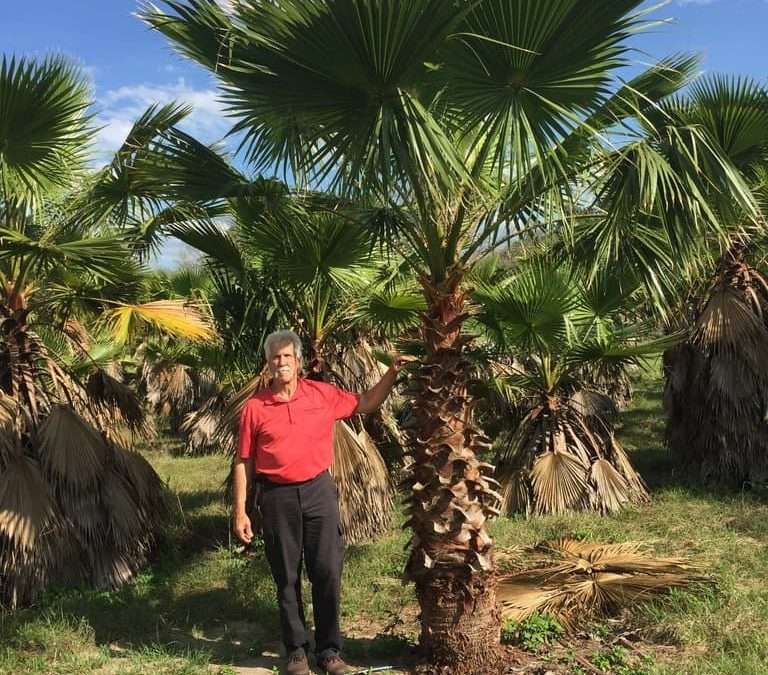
<point x="574" y="581"/>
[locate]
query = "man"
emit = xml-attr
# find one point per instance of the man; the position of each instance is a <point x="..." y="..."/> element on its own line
<point x="286" y="437"/>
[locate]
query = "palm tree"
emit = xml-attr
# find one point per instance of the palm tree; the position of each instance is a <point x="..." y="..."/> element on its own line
<point x="563" y="456"/>
<point x="715" y="381"/>
<point x="77" y="505"/>
<point x="473" y="124"/>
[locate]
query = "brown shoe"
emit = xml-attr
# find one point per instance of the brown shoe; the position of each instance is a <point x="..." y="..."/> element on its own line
<point x="297" y="664"/>
<point x="334" y="665"/>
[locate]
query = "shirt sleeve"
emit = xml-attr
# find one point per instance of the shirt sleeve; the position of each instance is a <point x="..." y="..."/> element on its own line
<point x="246" y="441"/>
<point x="343" y="403"/>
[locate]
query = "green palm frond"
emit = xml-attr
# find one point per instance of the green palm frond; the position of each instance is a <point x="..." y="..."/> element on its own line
<point x="527" y="73"/>
<point x="353" y="112"/>
<point x="734" y="111"/>
<point x="118" y="192"/>
<point x="45" y="127"/>
<point x="617" y="352"/>
<point x="147" y="235"/>
<point x="104" y="257"/>
<point x="184" y="169"/>
<point x="304" y="248"/>
<point x="213" y="240"/>
<point x="531" y="310"/>
<point x="392" y="312"/>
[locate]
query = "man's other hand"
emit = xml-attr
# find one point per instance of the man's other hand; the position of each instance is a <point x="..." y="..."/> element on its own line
<point x="242" y="528"/>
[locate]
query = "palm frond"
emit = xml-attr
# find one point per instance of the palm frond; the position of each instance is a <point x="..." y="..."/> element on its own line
<point x="104" y="257"/>
<point x="27" y="507"/>
<point x="362" y="479"/>
<point x="73" y="452"/>
<point x="45" y="128"/>
<point x="559" y="482"/>
<point x="302" y="112"/>
<point x="529" y="311"/>
<point x="577" y="582"/>
<point x="176" y="317"/>
<point x="392" y="312"/>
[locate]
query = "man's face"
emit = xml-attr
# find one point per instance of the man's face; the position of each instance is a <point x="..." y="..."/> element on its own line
<point x="283" y="364"/>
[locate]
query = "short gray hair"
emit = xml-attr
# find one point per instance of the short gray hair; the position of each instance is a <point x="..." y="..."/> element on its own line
<point x="280" y="338"/>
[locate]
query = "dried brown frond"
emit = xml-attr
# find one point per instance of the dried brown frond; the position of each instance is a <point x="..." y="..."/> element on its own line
<point x="116" y="397"/>
<point x="26" y="505"/>
<point x="200" y="429"/>
<point x="123" y="512"/>
<point x="577" y="581"/>
<point x="555" y="463"/>
<point x="559" y="482"/>
<point x="716" y="381"/>
<point x="77" y="334"/>
<point x="226" y="433"/>
<point x="362" y="480"/>
<point x="72" y="451"/>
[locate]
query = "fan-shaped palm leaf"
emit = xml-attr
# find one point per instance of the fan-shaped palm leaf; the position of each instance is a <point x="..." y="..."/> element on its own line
<point x="26" y="505"/>
<point x="72" y="451"/>
<point x="362" y="479"/>
<point x="179" y="318"/>
<point x="44" y="126"/>
<point x="578" y="582"/>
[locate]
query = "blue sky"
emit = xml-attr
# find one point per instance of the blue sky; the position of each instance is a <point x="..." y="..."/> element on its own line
<point x="132" y="67"/>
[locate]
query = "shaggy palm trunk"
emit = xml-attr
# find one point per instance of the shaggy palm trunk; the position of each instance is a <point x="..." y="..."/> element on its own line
<point x="452" y="497"/>
<point x="75" y="507"/>
<point x="716" y="392"/>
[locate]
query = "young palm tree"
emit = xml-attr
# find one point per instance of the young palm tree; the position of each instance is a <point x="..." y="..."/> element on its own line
<point x="561" y="458"/>
<point x="76" y="504"/>
<point x="472" y="123"/>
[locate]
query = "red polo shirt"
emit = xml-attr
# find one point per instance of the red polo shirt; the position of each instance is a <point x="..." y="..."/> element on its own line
<point x="292" y="441"/>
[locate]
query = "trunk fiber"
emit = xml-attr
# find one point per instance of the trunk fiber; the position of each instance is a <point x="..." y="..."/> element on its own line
<point x="452" y="496"/>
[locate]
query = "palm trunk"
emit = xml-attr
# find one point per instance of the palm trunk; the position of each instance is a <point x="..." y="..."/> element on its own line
<point x="452" y="496"/>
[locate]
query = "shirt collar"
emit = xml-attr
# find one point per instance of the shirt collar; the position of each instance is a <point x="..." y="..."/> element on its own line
<point x="272" y="400"/>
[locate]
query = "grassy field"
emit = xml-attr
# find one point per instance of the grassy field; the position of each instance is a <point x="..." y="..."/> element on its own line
<point x="204" y="607"/>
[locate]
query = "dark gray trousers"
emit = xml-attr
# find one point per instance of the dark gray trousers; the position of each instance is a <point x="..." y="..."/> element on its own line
<point x="301" y="520"/>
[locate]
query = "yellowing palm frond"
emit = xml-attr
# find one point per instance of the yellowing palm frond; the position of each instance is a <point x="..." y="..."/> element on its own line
<point x="179" y="318"/>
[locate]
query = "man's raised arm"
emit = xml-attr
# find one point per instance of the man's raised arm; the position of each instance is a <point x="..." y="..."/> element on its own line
<point x="371" y="400"/>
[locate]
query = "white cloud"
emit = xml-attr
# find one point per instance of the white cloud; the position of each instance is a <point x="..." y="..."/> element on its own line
<point x="119" y="109"/>
<point x="174" y="254"/>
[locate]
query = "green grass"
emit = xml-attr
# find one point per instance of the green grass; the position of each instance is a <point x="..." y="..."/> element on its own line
<point x="203" y="607"/>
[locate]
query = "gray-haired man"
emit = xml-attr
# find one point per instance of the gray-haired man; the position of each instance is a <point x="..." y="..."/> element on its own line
<point x="286" y="437"/>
